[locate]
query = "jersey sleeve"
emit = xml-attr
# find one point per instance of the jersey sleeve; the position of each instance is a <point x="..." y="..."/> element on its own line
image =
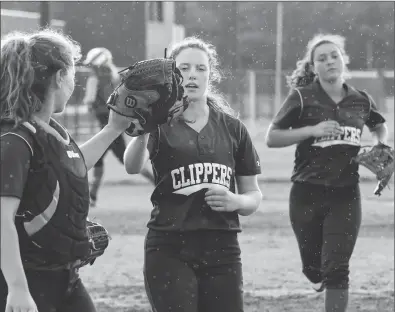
<point x="289" y="112"/>
<point x="16" y="151"/>
<point x="247" y="158"/>
<point x="375" y="118"/>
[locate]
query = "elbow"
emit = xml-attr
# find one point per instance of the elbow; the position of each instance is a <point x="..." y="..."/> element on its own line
<point x="131" y="169"/>
<point x="270" y="142"/>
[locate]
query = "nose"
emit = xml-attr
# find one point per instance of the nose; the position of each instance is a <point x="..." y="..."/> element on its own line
<point x="192" y="74"/>
<point x="330" y="61"/>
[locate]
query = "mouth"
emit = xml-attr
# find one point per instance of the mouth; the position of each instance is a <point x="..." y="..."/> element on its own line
<point x="191" y="85"/>
<point x="332" y="69"/>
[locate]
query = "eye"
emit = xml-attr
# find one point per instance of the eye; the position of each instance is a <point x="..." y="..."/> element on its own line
<point x="183" y="68"/>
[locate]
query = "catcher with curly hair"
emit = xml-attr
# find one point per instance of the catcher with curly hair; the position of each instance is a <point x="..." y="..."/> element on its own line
<point x="324" y="116"/>
<point x="44" y="190"/>
<point x="192" y="253"/>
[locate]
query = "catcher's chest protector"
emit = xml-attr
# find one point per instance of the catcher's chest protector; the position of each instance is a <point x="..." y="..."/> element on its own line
<point x="55" y="203"/>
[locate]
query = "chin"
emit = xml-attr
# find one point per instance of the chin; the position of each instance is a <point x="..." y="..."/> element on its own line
<point x="59" y="110"/>
<point x="333" y="78"/>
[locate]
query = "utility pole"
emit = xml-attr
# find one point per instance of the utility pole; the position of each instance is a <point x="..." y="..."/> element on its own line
<point x="279" y="55"/>
<point x="235" y="55"/>
<point x="45" y="14"/>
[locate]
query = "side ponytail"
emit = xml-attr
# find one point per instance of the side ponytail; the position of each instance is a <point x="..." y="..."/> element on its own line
<point x="302" y="75"/>
<point x="17" y="100"/>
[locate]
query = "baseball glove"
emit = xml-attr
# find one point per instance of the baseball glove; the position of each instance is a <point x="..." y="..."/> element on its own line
<point x="379" y="160"/>
<point x="99" y="240"/>
<point x="150" y="92"/>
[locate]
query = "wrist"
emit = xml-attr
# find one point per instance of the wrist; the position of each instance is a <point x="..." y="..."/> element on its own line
<point x="18" y="286"/>
<point x="238" y="202"/>
<point x="113" y="130"/>
<point x="309" y="131"/>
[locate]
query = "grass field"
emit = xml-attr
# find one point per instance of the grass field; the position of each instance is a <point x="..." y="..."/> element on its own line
<point x="272" y="275"/>
<point x="272" y="270"/>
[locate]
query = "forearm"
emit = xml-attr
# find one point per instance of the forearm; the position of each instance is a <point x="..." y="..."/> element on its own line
<point x="380" y="134"/>
<point x="11" y="262"/>
<point x="96" y="146"/>
<point x="136" y="154"/>
<point x="248" y="202"/>
<point x="288" y="137"/>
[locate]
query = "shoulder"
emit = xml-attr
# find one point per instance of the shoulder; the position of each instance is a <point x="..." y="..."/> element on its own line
<point x="20" y="136"/>
<point x="235" y="126"/>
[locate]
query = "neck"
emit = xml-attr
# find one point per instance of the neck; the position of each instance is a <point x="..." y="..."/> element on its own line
<point x="196" y="108"/>
<point x="45" y="112"/>
<point x="333" y="87"/>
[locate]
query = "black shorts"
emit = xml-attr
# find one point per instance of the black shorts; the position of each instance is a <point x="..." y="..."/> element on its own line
<point x="53" y="291"/>
<point x="197" y="271"/>
<point x="326" y="222"/>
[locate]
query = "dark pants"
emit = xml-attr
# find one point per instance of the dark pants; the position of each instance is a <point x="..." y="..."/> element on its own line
<point x="326" y="222"/>
<point x="193" y="272"/>
<point x="54" y="291"/>
<point x="118" y="146"/>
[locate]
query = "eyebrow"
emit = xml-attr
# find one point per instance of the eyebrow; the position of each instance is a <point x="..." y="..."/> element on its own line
<point x="190" y="64"/>
<point x="323" y="54"/>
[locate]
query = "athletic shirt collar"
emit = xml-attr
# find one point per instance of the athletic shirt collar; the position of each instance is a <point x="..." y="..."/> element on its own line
<point x="54" y="128"/>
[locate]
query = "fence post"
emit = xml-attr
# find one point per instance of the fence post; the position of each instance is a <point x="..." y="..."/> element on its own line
<point x="251" y="106"/>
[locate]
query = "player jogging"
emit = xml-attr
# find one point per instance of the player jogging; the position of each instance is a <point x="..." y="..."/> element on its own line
<point x="192" y="254"/>
<point x="324" y="116"/>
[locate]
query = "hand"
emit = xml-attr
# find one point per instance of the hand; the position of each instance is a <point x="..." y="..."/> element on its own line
<point x="120" y="123"/>
<point x="327" y="128"/>
<point x="221" y="199"/>
<point x="20" y="300"/>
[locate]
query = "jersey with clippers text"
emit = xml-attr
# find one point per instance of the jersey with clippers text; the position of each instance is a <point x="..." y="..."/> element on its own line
<point x="186" y="163"/>
<point x="328" y="160"/>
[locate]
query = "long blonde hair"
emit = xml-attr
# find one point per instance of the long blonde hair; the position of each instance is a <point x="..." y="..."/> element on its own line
<point x="28" y="61"/>
<point x="215" y="99"/>
<point x="303" y="74"/>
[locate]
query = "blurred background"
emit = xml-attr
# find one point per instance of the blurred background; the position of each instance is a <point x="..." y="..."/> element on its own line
<point x="258" y="43"/>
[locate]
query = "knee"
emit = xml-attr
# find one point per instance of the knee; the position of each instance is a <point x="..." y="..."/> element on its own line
<point x="313" y="274"/>
<point x="336" y="275"/>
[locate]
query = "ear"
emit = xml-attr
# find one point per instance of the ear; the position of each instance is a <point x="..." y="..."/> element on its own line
<point x="58" y="78"/>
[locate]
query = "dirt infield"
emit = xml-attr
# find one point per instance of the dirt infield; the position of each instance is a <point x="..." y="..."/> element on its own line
<point x="272" y="275"/>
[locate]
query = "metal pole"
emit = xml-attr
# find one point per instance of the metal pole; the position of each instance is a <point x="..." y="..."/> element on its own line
<point x="279" y="54"/>
<point x="45" y="14"/>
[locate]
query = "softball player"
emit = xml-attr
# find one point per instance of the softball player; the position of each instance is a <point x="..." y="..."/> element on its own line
<point x="44" y="184"/>
<point x="324" y="117"/>
<point x="192" y="254"/>
<point x="99" y="86"/>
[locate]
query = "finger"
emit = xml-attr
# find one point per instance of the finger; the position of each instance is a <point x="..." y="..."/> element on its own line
<point x="215" y="192"/>
<point x="213" y="197"/>
<point x="215" y="203"/>
<point x="218" y="208"/>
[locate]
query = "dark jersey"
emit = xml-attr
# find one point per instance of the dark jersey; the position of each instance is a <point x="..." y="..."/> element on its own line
<point x="186" y="163"/>
<point x="328" y="160"/>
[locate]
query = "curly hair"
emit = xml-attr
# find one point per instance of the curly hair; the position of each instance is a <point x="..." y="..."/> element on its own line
<point x="215" y="99"/>
<point x="28" y="61"/>
<point x="303" y="74"/>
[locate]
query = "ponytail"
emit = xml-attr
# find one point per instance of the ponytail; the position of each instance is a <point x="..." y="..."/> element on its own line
<point x="28" y="62"/>
<point x="17" y="99"/>
<point x="302" y="75"/>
